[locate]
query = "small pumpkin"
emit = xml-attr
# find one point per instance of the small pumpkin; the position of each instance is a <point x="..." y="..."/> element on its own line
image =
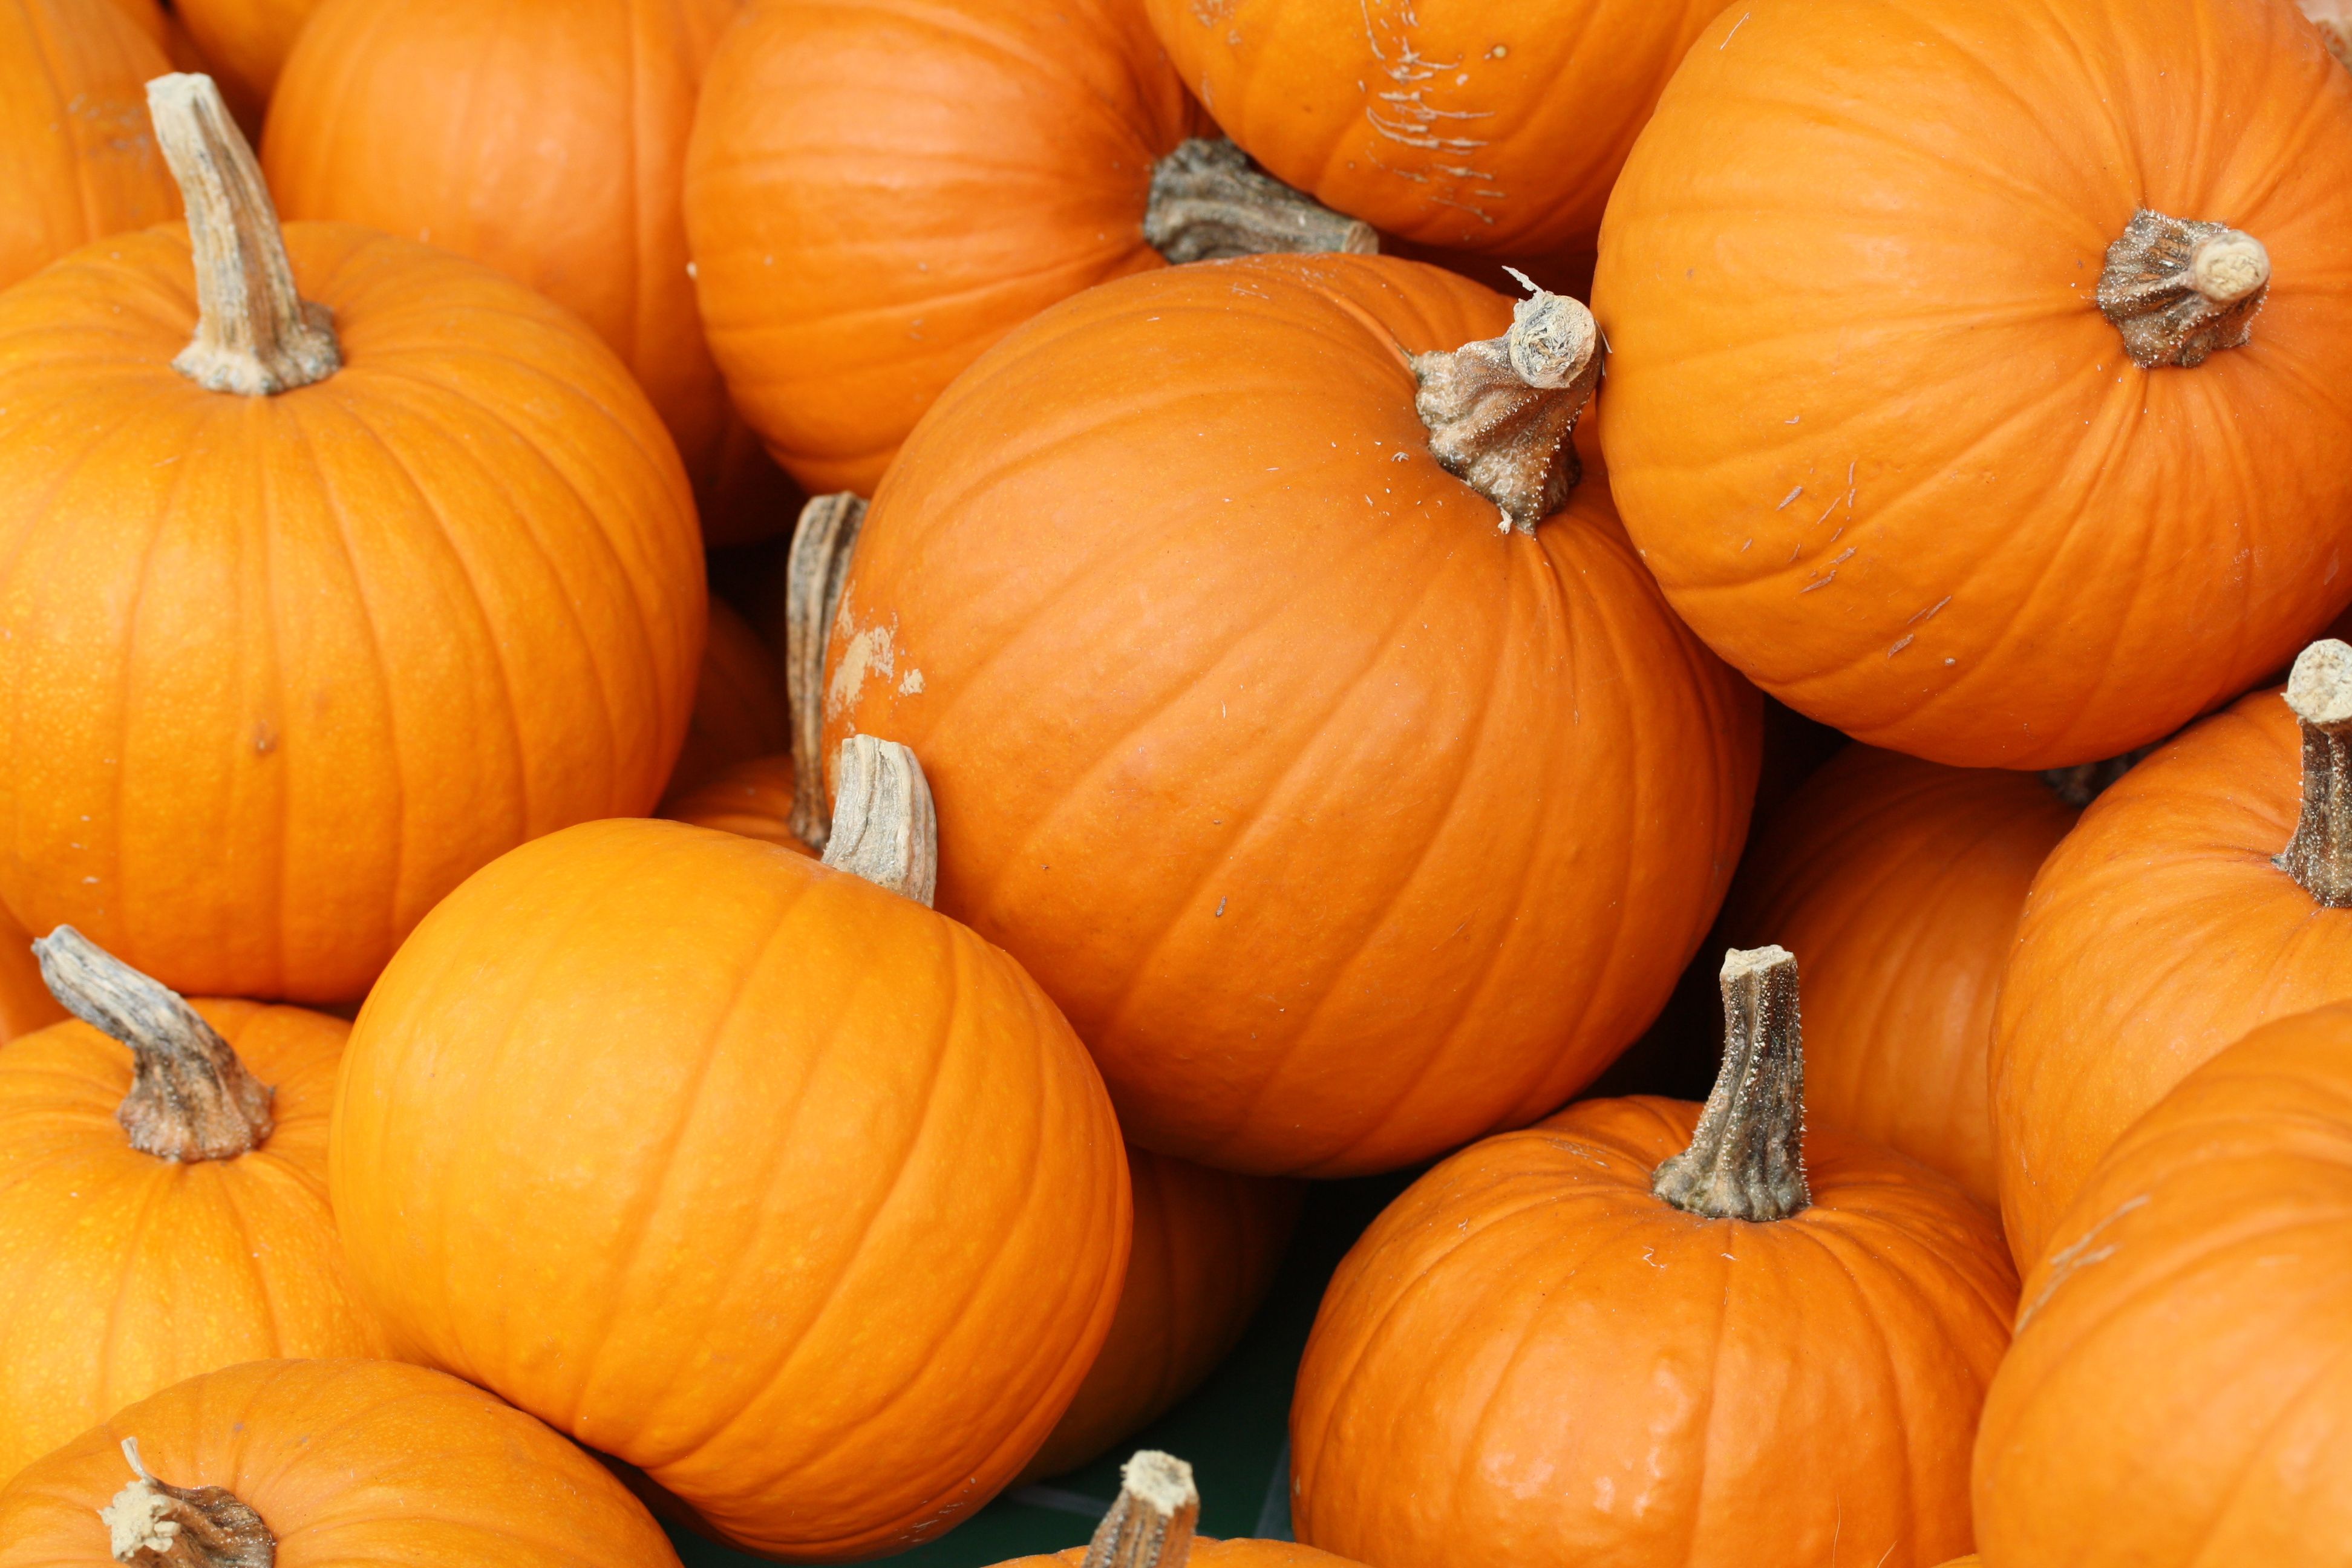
<point x="740" y="711"/>
<point x="1149" y="1525"/>
<point x="752" y="797"/>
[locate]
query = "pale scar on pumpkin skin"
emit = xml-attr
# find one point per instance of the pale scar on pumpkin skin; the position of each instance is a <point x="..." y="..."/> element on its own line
<point x="1405" y="116"/>
<point x="870" y="654"/>
<point x="2068" y="1260"/>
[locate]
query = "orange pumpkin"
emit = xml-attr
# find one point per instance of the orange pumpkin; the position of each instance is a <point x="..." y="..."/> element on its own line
<point x="288" y="667"/>
<point x="327" y="1462"/>
<point x="2162" y="929"/>
<point x="147" y="15"/>
<point x="1644" y="1333"/>
<point x="2180" y="1391"/>
<point x="753" y="798"/>
<point x="1150" y="1526"/>
<point x="1252" y="736"/>
<point x="246" y="42"/>
<point x="26" y="1003"/>
<point x="739" y="703"/>
<point x="1923" y="404"/>
<point x="163" y="1213"/>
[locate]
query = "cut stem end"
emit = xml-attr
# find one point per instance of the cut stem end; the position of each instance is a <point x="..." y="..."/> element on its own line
<point x="1208" y="204"/>
<point x="158" y="1526"/>
<point x="1747" y="1159"/>
<point x="815" y="572"/>
<point x="883" y="827"/>
<point x="1500" y="411"/>
<point x="1151" y="1525"/>
<point x="2179" y="290"/>
<point x="2319" y="855"/>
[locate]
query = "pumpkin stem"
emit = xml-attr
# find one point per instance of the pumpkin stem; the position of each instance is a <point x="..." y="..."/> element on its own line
<point x="1151" y="1525"/>
<point x="2319" y="855"/>
<point x="883" y="829"/>
<point x="191" y="1097"/>
<point x="2179" y="290"/>
<point x="1207" y="203"/>
<point x="160" y="1526"/>
<point x="255" y="334"/>
<point x="814" y="573"/>
<point x="2083" y="783"/>
<point x="1746" y="1161"/>
<point x="1499" y="412"/>
<point x="2334" y="20"/>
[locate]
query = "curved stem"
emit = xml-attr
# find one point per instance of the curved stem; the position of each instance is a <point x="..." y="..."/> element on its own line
<point x="159" y="1526"/>
<point x="1499" y="412"/>
<point x="1207" y="204"/>
<point x="191" y="1097"/>
<point x="2319" y="855"/>
<point x="814" y="573"/>
<point x="1150" y="1524"/>
<point x="882" y="828"/>
<point x="1747" y="1160"/>
<point x="2179" y="290"/>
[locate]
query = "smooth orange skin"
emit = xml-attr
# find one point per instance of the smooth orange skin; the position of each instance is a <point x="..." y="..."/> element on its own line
<point x="2156" y="932"/>
<point x="1212" y="1553"/>
<point x="878" y="190"/>
<point x="1343" y="826"/>
<point x="26" y="1003"/>
<point x="77" y="158"/>
<point x="347" y="1462"/>
<point x="740" y="710"/>
<point x="827" y="1206"/>
<point x="1206" y="1247"/>
<point x="127" y="1273"/>
<point x="1898" y="884"/>
<point x="246" y="42"/>
<point x="1489" y="125"/>
<point x="1855" y="256"/>
<point x="753" y="798"/>
<point x="1530" y="1359"/>
<point x="2180" y="1391"/>
<point x="284" y="670"/>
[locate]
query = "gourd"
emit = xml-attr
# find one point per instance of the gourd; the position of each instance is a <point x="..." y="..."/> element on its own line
<point x="1149" y="1525"/>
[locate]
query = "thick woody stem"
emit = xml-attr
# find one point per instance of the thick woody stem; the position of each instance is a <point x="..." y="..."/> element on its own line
<point x="814" y="573"/>
<point x="1746" y="1161"/>
<point x="2334" y="20"/>
<point x="1151" y="1525"/>
<point x="1207" y="203"/>
<point x="2083" y="783"/>
<point x="1499" y="412"/>
<point x="2319" y="855"/>
<point x="2179" y="290"/>
<point x="883" y="829"/>
<point x="191" y="1097"/>
<point x="255" y="334"/>
<point x="159" y="1526"/>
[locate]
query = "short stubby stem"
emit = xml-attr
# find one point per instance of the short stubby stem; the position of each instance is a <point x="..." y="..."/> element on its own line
<point x="1208" y="204"/>
<point x="159" y="1526"/>
<point x="1500" y="411"/>
<point x="815" y="571"/>
<point x="1747" y="1160"/>
<point x="1150" y="1524"/>
<point x="2179" y="290"/>
<point x="2319" y="855"/>
<point x="883" y="827"/>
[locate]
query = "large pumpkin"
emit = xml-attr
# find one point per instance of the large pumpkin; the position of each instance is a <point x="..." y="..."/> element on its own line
<point x="1344" y="825"/>
<point x="285" y="668"/>
<point x="1149" y="1525"/>
<point x="2180" y="1391"/>
<point x="1657" y="1335"/>
<point x="1918" y="405"/>
<point x="163" y="1213"/>
<point x="2163" y="928"/>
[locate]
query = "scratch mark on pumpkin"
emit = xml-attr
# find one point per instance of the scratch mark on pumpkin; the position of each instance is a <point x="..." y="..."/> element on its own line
<point x="2068" y="1260"/>
<point x="1726" y="44"/>
<point x="1929" y="613"/>
<point x="1787" y="500"/>
<point x="1903" y="643"/>
<point x="913" y="685"/>
<point x="1822" y="583"/>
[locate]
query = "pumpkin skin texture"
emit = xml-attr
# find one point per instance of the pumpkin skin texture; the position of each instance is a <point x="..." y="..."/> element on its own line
<point x="346" y="1462"/>
<point x="753" y="798"/>
<point x="2156" y="932"/>
<point x="1930" y="501"/>
<point x="1497" y="127"/>
<point x="739" y="703"/>
<point x="1524" y="1358"/>
<point x="1900" y="882"/>
<point x="832" y="1351"/>
<point x="287" y="669"/>
<point x="246" y="42"/>
<point x="2192" y="1327"/>
<point x="128" y="1273"/>
<point x="878" y="190"/>
<point x="26" y="1003"/>
<point x="1174" y="567"/>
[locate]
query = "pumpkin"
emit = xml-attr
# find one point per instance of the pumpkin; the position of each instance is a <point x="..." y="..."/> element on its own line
<point x="246" y="42"/>
<point x="1648" y="1332"/>
<point x="1918" y="405"/>
<point x="2164" y="927"/>
<point x="1206" y="1245"/>
<point x="150" y="18"/>
<point x="1181" y="565"/>
<point x="1462" y="123"/>
<point x="1901" y="881"/>
<point x="876" y="191"/>
<point x="835" y="1349"/>
<point x="75" y="161"/>
<point x="26" y="1003"/>
<point x="739" y="703"/>
<point x="752" y="797"/>
<point x="1149" y="1525"/>
<point x="432" y="119"/>
<point x="164" y="1211"/>
<point x="2179" y="1392"/>
<point x="311" y="1463"/>
<point x="289" y="667"/>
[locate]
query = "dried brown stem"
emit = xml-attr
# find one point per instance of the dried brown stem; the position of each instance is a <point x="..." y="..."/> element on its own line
<point x="1207" y="203"/>
<point x="159" y="1526"/>
<point x="2179" y="290"/>
<point x="2319" y="855"/>
<point x="883" y="829"/>
<point x="1747" y="1160"/>
<point x="1151" y="1525"/>
<point x="1499" y="412"/>
<point x="814" y="573"/>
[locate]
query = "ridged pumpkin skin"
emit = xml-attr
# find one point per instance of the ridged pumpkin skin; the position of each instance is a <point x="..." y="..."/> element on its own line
<point x="1488" y="125"/>
<point x="740" y="710"/>
<point x="878" y="190"/>
<point x="78" y="159"/>
<point x="1530" y="1359"/>
<point x="347" y="1462"/>
<point x="2180" y="1391"/>
<point x="1337" y="821"/>
<point x="753" y="798"/>
<point x="287" y="670"/>
<point x="872" y="1190"/>
<point x="1866" y="423"/>
<point x="1212" y="1553"/>
<point x="127" y="1273"/>
<point x="1899" y="883"/>
<point x="2156" y="933"/>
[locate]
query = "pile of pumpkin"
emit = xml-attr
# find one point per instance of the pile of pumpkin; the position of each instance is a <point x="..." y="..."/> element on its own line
<point x="795" y="1075"/>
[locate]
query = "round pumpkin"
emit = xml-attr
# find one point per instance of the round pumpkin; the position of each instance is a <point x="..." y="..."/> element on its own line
<point x="1918" y="407"/>
<point x="2180" y="1391"/>
<point x="289" y="667"/>
<point x="330" y="1463"/>
<point x="1149" y="1525"/>
<point x="753" y="798"/>
<point x="1343" y="825"/>
<point x="739" y="703"/>
<point x="246" y="42"/>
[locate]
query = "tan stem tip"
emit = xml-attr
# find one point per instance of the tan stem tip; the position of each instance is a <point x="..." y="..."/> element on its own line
<point x="1500" y="411"/>
<point x="2334" y="20"/>
<point x="1747" y="1158"/>
<point x="816" y="570"/>
<point x="1150" y="1524"/>
<point x="883" y="827"/>
<point x="160" y="1526"/>
<point x="2180" y="289"/>
<point x="2319" y="855"/>
<point x="1207" y="203"/>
